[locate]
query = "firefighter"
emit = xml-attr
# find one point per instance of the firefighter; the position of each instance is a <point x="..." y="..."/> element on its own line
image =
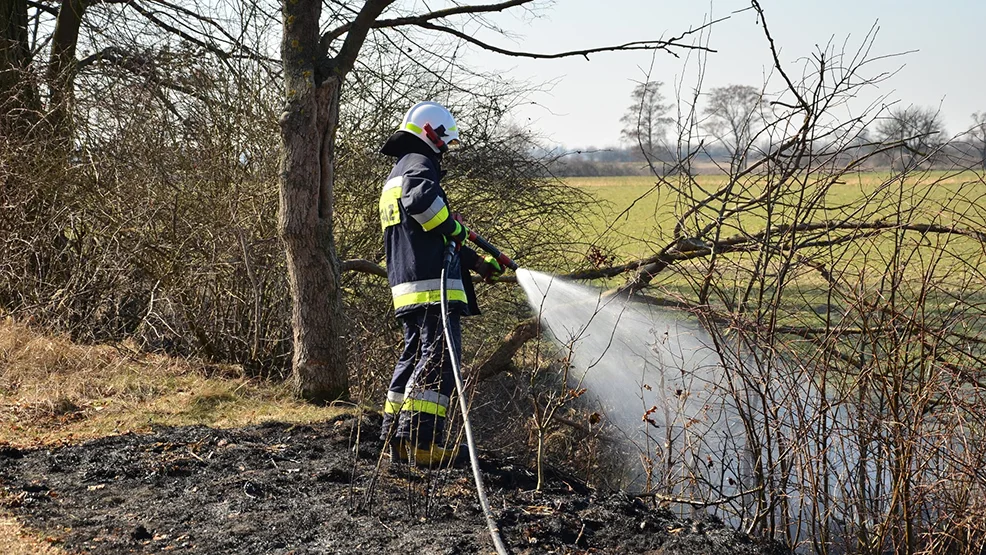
<point x="417" y="225"/>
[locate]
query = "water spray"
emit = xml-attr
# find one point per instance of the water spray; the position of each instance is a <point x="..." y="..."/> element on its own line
<point x="619" y="349"/>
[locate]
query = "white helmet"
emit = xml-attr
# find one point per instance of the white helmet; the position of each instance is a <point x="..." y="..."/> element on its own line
<point x="432" y="123"/>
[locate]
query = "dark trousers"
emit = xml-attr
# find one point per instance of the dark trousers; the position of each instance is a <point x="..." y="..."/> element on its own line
<point x="420" y="391"/>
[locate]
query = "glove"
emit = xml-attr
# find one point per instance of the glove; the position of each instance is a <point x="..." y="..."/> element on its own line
<point x="489" y="268"/>
<point x="463" y="231"/>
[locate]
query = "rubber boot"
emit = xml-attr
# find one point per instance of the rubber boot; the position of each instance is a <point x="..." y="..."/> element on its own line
<point x="434" y="457"/>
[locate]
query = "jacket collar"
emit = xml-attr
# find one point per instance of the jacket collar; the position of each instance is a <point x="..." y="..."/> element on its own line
<point x="401" y="144"/>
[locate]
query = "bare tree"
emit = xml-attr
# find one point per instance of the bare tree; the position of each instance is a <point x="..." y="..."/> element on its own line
<point x="831" y="314"/>
<point x="646" y="119"/>
<point x="315" y="67"/>
<point x="916" y="131"/>
<point x="734" y="115"/>
<point x="978" y="135"/>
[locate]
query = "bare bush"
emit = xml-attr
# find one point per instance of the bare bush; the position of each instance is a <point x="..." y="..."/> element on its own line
<point x="846" y="326"/>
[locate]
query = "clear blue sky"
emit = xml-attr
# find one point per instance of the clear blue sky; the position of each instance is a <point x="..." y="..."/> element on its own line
<point x="584" y="106"/>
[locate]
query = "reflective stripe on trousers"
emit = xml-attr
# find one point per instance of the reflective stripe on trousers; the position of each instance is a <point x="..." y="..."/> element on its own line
<point x="418" y="397"/>
<point x="428" y="402"/>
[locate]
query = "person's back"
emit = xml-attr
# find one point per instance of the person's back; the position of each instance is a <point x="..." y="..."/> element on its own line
<point x="418" y="226"/>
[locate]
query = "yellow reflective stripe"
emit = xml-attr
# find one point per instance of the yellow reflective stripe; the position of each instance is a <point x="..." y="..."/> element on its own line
<point x="427" y="407"/>
<point x="424" y="297"/>
<point x="426" y="291"/>
<point x="428" y="214"/>
<point x="390" y="212"/>
<point x="411" y="127"/>
<point x="436" y="220"/>
<point x="423" y="285"/>
<point x="430" y="395"/>
<point x="415" y="405"/>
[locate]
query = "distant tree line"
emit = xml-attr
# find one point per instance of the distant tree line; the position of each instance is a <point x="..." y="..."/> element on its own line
<point x="733" y="118"/>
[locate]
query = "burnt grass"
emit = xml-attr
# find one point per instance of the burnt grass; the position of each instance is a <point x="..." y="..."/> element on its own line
<point x="279" y="488"/>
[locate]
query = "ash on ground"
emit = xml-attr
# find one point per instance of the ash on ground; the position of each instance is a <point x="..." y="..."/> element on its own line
<point x="280" y="488"/>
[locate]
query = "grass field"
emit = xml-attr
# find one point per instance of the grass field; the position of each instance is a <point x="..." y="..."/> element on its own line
<point x="635" y="212"/>
<point x="635" y="216"/>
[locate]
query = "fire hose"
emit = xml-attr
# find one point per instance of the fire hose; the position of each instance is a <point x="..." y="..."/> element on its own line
<point x="482" y="243"/>
<point x="491" y="523"/>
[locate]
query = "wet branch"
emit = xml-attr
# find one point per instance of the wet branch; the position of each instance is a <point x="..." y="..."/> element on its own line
<point x="686" y="249"/>
<point x="697" y="503"/>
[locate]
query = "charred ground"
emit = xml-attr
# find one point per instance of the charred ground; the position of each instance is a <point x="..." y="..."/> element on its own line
<point x="280" y="488"/>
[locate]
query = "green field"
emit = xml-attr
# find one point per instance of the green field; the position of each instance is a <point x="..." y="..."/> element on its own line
<point x="634" y="217"/>
<point x="637" y="213"/>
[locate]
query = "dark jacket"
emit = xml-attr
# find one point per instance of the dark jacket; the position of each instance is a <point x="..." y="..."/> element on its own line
<point x="417" y="223"/>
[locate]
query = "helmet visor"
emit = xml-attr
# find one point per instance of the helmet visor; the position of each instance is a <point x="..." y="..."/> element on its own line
<point x="454" y="144"/>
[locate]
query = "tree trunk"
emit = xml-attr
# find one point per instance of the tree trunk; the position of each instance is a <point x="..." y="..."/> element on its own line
<point x="305" y="221"/>
<point x="62" y="64"/>
<point x="18" y="94"/>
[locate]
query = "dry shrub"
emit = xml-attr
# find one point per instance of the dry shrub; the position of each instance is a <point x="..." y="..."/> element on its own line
<point x="575" y="442"/>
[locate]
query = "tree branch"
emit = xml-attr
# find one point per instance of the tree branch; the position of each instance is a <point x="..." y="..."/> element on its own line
<point x="234" y="41"/>
<point x="43" y="7"/>
<point x="327" y="38"/>
<point x="501" y="359"/>
<point x="636" y="45"/>
<point x="222" y="54"/>
<point x="777" y="60"/>
<point x="649" y="267"/>
<point x="698" y="503"/>
<point x="365" y="20"/>
<point x="425" y="21"/>
<point x="142" y="66"/>
<point x="363" y="266"/>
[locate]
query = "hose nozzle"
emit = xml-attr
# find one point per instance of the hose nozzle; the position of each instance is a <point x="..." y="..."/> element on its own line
<point x="500" y="257"/>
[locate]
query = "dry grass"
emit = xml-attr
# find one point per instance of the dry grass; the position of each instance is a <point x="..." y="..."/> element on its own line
<point x="17" y="540"/>
<point x="53" y="391"/>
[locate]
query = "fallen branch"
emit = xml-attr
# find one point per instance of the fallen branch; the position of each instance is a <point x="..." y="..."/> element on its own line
<point x="687" y="249"/>
<point x="364" y="266"/>
<point x="698" y="503"/>
<point x="502" y="357"/>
